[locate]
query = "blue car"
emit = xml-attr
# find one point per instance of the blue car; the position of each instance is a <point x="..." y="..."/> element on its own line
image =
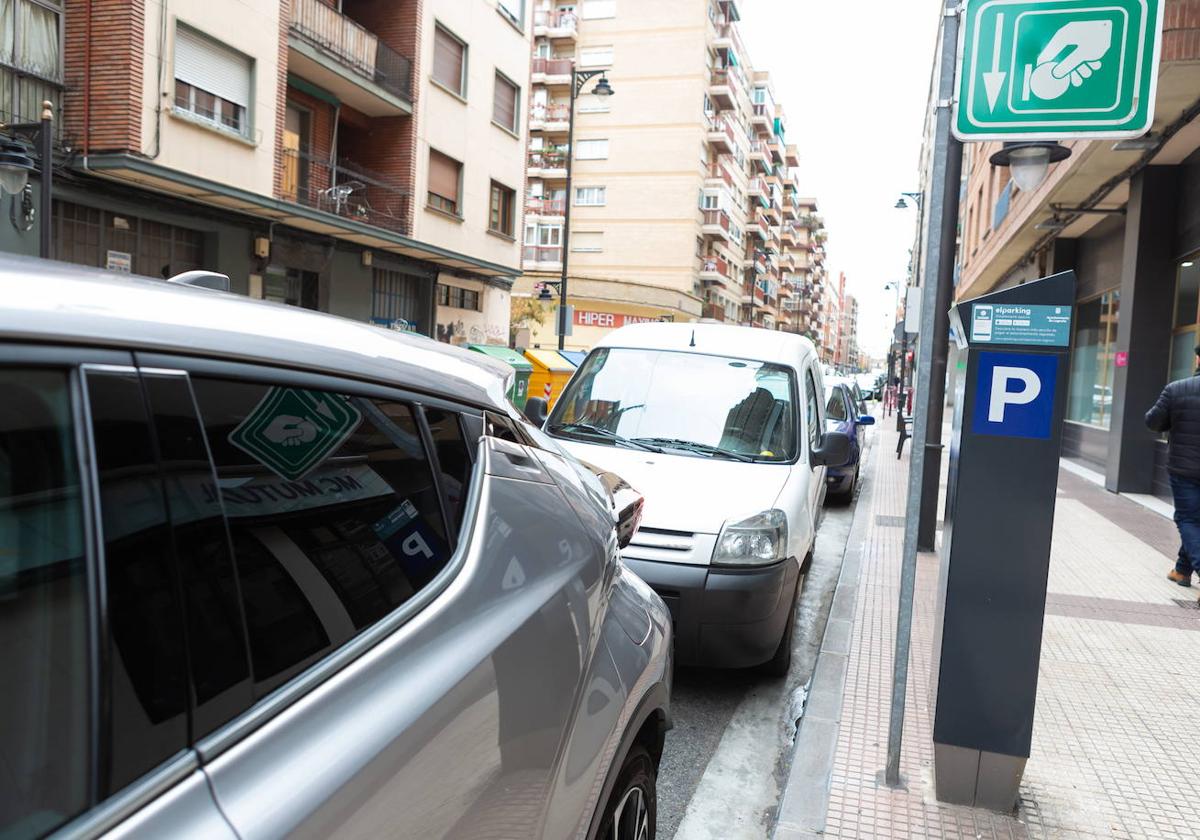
<point x="845" y="412"/>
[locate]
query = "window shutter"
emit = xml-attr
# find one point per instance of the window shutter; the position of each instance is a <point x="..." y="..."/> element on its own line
<point x="211" y="67"/>
<point x="443" y="175"/>
<point x="448" y="55"/>
<point x="504" y="106"/>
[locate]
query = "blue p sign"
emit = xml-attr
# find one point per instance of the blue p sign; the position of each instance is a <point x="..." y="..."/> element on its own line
<point x="1014" y="396"/>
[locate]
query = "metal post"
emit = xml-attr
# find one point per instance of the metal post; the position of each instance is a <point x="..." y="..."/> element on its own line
<point x="937" y="251"/>
<point x="566" y="234"/>
<point x="46" y="153"/>
<point x="902" y="389"/>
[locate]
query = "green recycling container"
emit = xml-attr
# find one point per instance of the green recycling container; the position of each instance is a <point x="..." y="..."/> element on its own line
<point x="519" y="392"/>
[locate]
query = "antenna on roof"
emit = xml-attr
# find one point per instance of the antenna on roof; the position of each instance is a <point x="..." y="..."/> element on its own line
<point x="202" y="280"/>
<point x="693" y="342"/>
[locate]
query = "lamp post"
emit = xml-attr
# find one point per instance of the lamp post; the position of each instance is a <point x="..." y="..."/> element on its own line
<point x="603" y="88"/>
<point x="15" y="166"/>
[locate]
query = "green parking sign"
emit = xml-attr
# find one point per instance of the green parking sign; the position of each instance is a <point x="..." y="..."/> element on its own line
<point x="291" y="431"/>
<point x="1057" y="69"/>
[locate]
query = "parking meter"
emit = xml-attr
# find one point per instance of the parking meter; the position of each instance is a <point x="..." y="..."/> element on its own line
<point x="996" y="543"/>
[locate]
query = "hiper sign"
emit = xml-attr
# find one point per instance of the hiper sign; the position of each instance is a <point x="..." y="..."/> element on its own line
<point x="1014" y="396"/>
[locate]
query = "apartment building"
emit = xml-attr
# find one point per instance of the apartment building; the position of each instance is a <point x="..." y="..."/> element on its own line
<point x="685" y="202"/>
<point x="1126" y="217"/>
<point x="360" y="157"/>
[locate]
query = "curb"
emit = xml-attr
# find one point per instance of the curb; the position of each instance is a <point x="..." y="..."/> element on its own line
<point x="805" y="799"/>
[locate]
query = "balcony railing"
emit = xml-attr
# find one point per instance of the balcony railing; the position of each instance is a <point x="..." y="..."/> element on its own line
<point x="542" y="253"/>
<point x="556" y="112"/>
<point x="713" y="311"/>
<point x="346" y="190"/>
<point x="353" y="45"/>
<point x="565" y="20"/>
<point x="715" y="264"/>
<point x="718" y="169"/>
<point x="546" y="206"/>
<point x="717" y="217"/>
<point x="548" y="159"/>
<point x="552" y="66"/>
<point x="721" y="124"/>
<point x="761" y="109"/>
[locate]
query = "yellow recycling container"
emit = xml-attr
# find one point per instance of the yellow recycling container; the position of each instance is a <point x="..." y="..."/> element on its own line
<point x="550" y="370"/>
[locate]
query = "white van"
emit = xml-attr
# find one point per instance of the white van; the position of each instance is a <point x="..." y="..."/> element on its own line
<point x="721" y="428"/>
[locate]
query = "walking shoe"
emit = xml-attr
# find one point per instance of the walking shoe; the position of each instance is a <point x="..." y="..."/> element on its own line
<point x="1182" y="580"/>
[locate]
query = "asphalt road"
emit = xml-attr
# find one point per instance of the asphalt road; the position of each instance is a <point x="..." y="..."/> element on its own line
<point x="727" y="758"/>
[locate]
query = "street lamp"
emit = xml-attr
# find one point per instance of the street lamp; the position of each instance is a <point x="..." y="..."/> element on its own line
<point x="1029" y="162"/>
<point x="16" y="164"/>
<point x="602" y="90"/>
<point x="916" y="198"/>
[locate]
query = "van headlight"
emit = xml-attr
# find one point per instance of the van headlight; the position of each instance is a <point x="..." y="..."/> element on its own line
<point x="758" y="540"/>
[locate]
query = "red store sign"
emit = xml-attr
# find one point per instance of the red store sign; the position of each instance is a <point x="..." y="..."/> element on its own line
<point x="609" y="320"/>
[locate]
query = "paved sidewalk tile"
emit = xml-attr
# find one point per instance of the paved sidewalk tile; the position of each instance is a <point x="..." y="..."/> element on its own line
<point x="1112" y="755"/>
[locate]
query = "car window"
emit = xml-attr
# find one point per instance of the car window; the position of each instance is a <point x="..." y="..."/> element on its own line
<point x="147" y="682"/>
<point x="454" y="461"/>
<point x="835" y="408"/>
<point x="812" y="411"/>
<point x="45" y="738"/>
<point x="215" y="633"/>
<point x="333" y="510"/>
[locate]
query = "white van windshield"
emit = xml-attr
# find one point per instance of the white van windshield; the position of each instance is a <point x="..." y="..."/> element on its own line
<point x="707" y="406"/>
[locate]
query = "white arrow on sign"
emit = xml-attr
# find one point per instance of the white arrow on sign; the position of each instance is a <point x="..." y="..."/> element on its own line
<point x="994" y="81"/>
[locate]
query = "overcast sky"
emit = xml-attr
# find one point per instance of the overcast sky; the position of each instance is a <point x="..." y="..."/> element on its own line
<point x="853" y="76"/>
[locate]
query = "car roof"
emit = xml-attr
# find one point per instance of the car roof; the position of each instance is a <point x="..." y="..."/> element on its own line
<point x="49" y="302"/>
<point x="715" y="340"/>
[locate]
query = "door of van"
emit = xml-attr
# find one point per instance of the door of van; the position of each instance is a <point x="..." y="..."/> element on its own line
<point x="814" y="427"/>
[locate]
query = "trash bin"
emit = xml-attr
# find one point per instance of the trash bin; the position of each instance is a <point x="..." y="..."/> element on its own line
<point x="519" y="392"/>
<point x="575" y="357"/>
<point x="550" y="371"/>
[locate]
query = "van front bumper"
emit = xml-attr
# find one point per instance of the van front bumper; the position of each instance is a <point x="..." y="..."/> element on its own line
<point x="724" y="618"/>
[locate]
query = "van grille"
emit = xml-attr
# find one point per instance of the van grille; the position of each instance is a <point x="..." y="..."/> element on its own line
<point x="663" y="546"/>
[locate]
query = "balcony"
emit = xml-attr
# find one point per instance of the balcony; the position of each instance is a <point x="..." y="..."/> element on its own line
<point x="545" y="207"/>
<point x="556" y="25"/>
<point x="549" y="163"/>
<point x="756" y="187"/>
<point x="722" y="35"/>
<point x="761" y="155"/>
<point x="792" y="156"/>
<point x="713" y="312"/>
<point x="763" y="118"/>
<point x="722" y="91"/>
<point x="554" y="118"/>
<point x="551" y="71"/>
<point x="761" y="227"/>
<point x="714" y="269"/>
<point x="787" y="235"/>
<point x="721" y="134"/>
<point x="345" y="190"/>
<point x="791" y="207"/>
<point x="340" y="55"/>
<point x="541" y="257"/>
<point x="775" y="147"/>
<point x="716" y="224"/>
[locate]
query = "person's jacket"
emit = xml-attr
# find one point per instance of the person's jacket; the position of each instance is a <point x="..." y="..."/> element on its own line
<point x="1178" y="412"/>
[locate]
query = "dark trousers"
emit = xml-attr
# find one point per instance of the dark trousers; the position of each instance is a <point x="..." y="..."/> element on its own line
<point x="1186" y="491"/>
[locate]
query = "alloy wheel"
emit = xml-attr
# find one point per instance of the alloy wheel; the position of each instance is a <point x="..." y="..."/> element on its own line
<point x="631" y="818"/>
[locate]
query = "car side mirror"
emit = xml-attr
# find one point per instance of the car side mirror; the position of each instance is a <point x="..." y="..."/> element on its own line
<point x="536" y="411"/>
<point x="866" y="420"/>
<point x="833" y="450"/>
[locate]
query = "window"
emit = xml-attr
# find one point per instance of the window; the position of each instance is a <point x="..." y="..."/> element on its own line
<point x="598" y="9"/>
<point x="30" y="59"/>
<point x="43" y="636"/>
<point x="445" y="183"/>
<point x="212" y="82"/>
<point x="591" y="196"/>
<point x="396" y="299"/>
<point x="449" y="61"/>
<point x="596" y="57"/>
<point x="514" y="10"/>
<point x="292" y="286"/>
<point x="1092" y="357"/>
<point x="587" y="242"/>
<point x="457" y="297"/>
<point x="506" y="100"/>
<point x="710" y="201"/>
<point x="454" y="461"/>
<point x="812" y="411"/>
<point x="835" y="408"/>
<point x="592" y="150"/>
<point x="372" y="533"/>
<point x="1187" y="305"/>
<point x="501" y="215"/>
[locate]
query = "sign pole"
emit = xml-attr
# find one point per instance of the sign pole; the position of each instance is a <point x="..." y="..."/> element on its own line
<point x="940" y="250"/>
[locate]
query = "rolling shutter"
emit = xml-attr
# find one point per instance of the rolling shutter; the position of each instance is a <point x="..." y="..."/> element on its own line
<point x="212" y="67"/>
<point x="504" y="106"/>
<point x="443" y="175"/>
<point x="448" y="56"/>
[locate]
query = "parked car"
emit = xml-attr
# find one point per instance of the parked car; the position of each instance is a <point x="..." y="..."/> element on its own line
<point x="270" y="573"/>
<point x="845" y="413"/>
<point x="868" y="385"/>
<point x="722" y="429"/>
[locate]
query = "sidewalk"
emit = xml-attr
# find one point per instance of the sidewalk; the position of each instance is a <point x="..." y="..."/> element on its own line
<point x="1118" y="697"/>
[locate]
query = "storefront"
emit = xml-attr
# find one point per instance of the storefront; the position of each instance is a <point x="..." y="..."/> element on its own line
<point x="473" y="311"/>
<point x="593" y="321"/>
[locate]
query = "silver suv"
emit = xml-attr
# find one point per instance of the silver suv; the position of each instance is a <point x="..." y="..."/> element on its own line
<point x="266" y="573"/>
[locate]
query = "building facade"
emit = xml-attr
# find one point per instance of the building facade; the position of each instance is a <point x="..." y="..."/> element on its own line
<point x="303" y="147"/>
<point x="1126" y="217"/>
<point x="685" y="201"/>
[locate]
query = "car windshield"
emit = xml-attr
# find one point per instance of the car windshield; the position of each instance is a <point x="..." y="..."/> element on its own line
<point x="706" y="406"/>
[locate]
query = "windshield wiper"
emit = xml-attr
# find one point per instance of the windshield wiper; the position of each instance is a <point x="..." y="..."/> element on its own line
<point x="605" y="434"/>
<point x="699" y="448"/>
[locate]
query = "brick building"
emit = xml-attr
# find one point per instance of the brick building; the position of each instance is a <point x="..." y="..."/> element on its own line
<point x="360" y="157"/>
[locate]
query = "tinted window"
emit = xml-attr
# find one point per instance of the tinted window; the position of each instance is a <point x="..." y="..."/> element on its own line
<point x="147" y="679"/>
<point x="216" y="639"/>
<point x="333" y="511"/>
<point x="44" y="739"/>
<point x="812" y="410"/>
<point x="454" y="461"/>
<point x="835" y="409"/>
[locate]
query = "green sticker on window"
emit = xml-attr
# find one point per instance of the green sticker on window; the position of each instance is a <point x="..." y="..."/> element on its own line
<point x="292" y="431"/>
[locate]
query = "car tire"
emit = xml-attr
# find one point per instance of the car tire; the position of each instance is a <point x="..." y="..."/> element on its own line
<point x="847" y="496"/>
<point x="632" y="808"/>
<point x="781" y="662"/>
